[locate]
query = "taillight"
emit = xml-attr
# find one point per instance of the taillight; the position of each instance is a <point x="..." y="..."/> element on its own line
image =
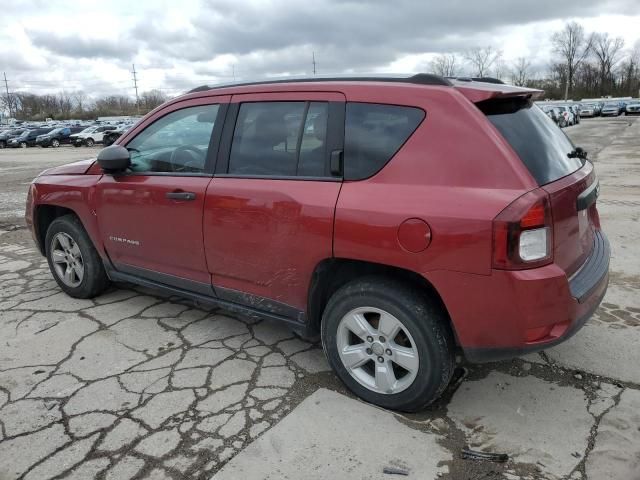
<point x="523" y="233"/>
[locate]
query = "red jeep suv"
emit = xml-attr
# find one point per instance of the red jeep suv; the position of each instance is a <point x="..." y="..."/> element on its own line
<point x="401" y="218"/>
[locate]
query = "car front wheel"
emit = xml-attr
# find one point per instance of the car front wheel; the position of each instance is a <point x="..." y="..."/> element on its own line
<point x="23" y="144"/>
<point x="73" y="260"/>
<point x="55" y="143"/>
<point x="89" y="142"/>
<point x="388" y="343"/>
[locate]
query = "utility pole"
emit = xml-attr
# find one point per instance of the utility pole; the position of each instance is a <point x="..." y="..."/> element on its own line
<point x="233" y="72"/>
<point x="313" y="57"/>
<point x="135" y="85"/>
<point x="6" y="86"/>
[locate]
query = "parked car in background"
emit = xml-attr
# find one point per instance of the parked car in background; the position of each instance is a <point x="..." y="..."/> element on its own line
<point x="110" y="136"/>
<point x="566" y="116"/>
<point x="588" y="110"/>
<point x="90" y="136"/>
<point x="552" y="112"/>
<point x="575" y="109"/>
<point x="7" y="135"/>
<point x="610" y="109"/>
<point x="27" y="138"/>
<point x="622" y="106"/>
<point x="397" y="259"/>
<point x="633" y="107"/>
<point x="57" y="136"/>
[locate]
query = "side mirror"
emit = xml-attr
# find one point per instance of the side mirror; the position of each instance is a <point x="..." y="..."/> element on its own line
<point x="114" y="158"/>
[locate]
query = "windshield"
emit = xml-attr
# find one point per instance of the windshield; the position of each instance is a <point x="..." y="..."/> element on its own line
<point x="540" y="144"/>
<point x="88" y="130"/>
<point x="55" y="130"/>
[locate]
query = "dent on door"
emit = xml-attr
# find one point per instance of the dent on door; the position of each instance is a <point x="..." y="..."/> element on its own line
<point x="263" y="238"/>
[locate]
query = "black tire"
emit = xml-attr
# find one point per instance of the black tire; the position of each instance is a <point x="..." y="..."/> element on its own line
<point x="55" y="143"/>
<point x="95" y="279"/>
<point x="424" y="320"/>
<point x="89" y="142"/>
<point x="23" y="145"/>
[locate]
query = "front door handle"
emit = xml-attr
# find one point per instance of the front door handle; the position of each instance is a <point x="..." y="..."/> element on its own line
<point x="180" y="195"/>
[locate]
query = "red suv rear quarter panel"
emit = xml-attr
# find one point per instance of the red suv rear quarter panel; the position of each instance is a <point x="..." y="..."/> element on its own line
<point x="456" y="173"/>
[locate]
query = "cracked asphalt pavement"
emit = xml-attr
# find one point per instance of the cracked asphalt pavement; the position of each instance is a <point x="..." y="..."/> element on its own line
<point x="134" y="385"/>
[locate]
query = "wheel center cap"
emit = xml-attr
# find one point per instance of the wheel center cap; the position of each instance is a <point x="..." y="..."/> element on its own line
<point x="377" y="348"/>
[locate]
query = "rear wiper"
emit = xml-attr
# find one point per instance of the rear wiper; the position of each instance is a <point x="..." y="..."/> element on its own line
<point x="578" y="152"/>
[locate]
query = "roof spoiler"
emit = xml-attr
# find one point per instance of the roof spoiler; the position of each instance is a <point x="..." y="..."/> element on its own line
<point x="487" y="88"/>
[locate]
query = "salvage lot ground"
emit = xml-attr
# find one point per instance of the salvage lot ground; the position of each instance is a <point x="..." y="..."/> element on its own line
<point x="133" y="385"/>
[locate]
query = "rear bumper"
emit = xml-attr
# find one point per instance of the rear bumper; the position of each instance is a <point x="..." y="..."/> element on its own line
<point x="511" y="313"/>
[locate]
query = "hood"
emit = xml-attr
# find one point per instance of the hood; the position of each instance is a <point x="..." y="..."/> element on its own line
<point x="75" y="168"/>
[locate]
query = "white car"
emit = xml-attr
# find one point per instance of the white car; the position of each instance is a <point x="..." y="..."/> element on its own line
<point x="588" y="110"/>
<point x="632" y="108"/>
<point x="90" y="136"/>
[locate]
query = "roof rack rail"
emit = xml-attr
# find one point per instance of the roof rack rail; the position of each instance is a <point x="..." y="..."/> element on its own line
<point x="418" y="78"/>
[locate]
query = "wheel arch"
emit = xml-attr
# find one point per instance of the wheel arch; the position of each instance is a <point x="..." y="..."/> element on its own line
<point x="332" y="273"/>
<point x="44" y="215"/>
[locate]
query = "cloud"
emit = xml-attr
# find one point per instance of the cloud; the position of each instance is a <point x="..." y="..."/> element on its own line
<point x="178" y="45"/>
<point x="79" y="46"/>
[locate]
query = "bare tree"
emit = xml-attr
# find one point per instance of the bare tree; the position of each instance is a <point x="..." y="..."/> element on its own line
<point x="606" y="51"/>
<point x="520" y="70"/>
<point x="151" y="99"/>
<point x="65" y="103"/>
<point x="482" y="59"/>
<point x="572" y="45"/>
<point x="445" y="64"/>
<point x="81" y="99"/>
<point x="500" y="69"/>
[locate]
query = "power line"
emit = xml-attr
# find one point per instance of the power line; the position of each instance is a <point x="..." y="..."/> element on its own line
<point x="135" y="85"/>
<point x="6" y="86"/>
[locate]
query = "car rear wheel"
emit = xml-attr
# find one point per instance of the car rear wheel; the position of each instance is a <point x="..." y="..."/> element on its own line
<point x="55" y="143"/>
<point x="2" y="144"/>
<point x="89" y="142"/>
<point x="73" y="260"/>
<point x="388" y="343"/>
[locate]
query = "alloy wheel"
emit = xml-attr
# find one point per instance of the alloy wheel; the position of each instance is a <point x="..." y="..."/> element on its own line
<point x="67" y="260"/>
<point x="377" y="350"/>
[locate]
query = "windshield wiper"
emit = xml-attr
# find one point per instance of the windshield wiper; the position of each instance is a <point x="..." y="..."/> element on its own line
<point x="578" y="152"/>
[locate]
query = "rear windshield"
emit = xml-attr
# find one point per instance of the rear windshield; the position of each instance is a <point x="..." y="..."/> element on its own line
<point x="539" y="143"/>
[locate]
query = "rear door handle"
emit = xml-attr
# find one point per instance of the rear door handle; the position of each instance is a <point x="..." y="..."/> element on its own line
<point x="180" y="195"/>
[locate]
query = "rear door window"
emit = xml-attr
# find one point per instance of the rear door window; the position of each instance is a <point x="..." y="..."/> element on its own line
<point x="373" y="134"/>
<point x="541" y="145"/>
<point x="280" y="139"/>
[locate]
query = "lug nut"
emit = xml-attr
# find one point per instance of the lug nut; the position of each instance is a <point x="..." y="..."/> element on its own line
<point x="369" y="351"/>
<point x="388" y="351"/>
<point x="380" y="359"/>
<point x="369" y="339"/>
<point x="382" y="339"/>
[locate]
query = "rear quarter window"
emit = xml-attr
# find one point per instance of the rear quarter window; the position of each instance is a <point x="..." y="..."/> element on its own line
<point x="373" y="135"/>
<point x="541" y="145"/>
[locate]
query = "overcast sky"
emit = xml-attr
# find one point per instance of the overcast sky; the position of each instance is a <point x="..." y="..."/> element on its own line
<point x="49" y="45"/>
